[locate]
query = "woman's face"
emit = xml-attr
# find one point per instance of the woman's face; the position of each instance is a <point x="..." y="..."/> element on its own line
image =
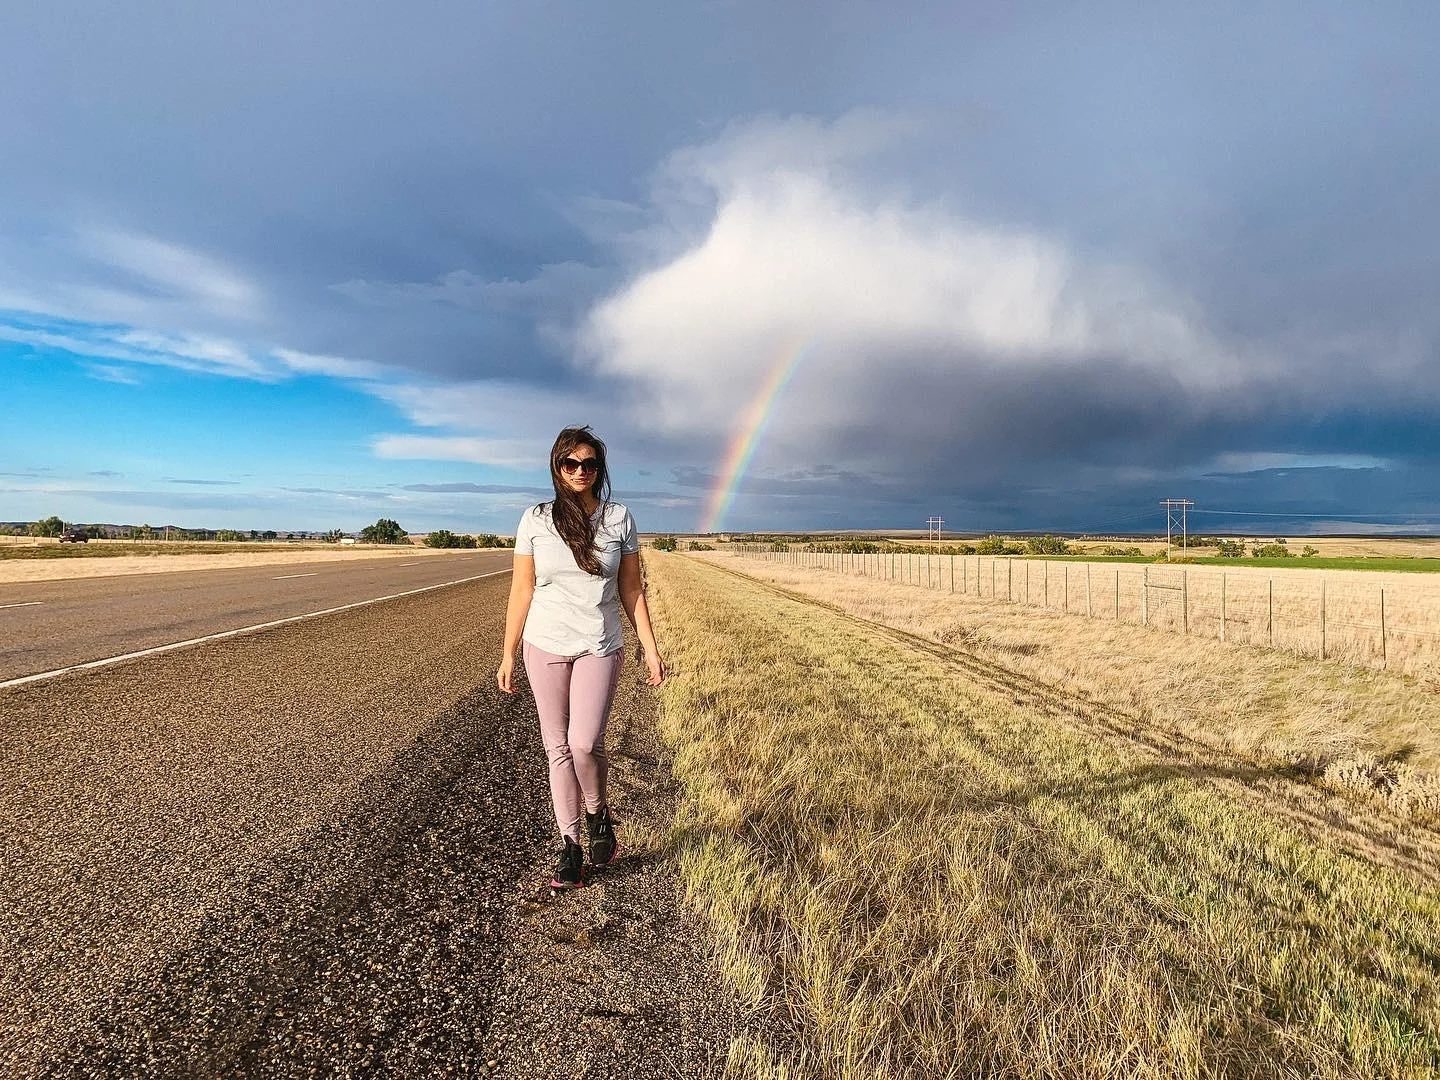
<point x="578" y="468"/>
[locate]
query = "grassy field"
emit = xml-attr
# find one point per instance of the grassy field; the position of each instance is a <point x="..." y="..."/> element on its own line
<point x="1356" y="728"/>
<point x="1403" y="565"/>
<point x="1378" y="619"/>
<point x="934" y="872"/>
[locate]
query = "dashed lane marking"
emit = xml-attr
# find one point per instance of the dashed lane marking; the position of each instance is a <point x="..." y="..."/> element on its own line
<point x="26" y="603"/>
<point x="239" y="630"/>
<point x="284" y="577"/>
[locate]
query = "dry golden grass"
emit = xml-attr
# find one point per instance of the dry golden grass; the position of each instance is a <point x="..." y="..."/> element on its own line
<point x="1373" y="732"/>
<point x="1378" y="618"/>
<point x="1333" y="547"/>
<point x="934" y="881"/>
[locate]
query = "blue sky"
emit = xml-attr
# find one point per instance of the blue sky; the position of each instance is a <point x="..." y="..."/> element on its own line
<point x="300" y="267"/>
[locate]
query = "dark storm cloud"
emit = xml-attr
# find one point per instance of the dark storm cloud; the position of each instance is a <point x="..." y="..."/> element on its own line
<point x="1235" y="205"/>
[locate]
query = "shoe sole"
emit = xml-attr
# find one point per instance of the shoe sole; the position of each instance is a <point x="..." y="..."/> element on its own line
<point x="567" y="885"/>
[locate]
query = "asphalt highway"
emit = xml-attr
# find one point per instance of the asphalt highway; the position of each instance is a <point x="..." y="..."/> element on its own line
<point x="46" y="625"/>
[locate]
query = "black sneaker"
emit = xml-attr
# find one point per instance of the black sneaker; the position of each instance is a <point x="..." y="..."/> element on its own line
<point x="569" y="868"/>
<point x="602" y="837"/>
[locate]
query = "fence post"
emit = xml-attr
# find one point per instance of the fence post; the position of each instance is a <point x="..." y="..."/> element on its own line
<point x="1384" y="655"/>
<point x="1089" y="608"/>
<point x="1270" y="612"/>
<point x="964" y="575"/>
<point x="1222" y="606"/>
<point x="1145" y="598"/>
<point x="1066" y="593"/>
<point x="1027" y="582"/>
<point x="952" y="575"/>
<point x="992" y="578"/>
<point x="1009" y="582"/>
<point x="1047" y="584"/>
<point x="1117" y="594"/>
<point x="1185" y="599"/>
<point x="1322" y="618"/>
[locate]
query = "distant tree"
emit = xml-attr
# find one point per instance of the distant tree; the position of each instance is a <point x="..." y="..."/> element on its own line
<point x="1276" y="549"/>
<point x="700" y="545"/>
<point x="1047" y="545"/>
<point x="444" y="538"/>
<point x="334" y="536"/>
<point x="1309" y="552"/>
<point x="51" y="526"/>
<point x="1230" y="549"/>
<point x="663" y="543"/>
<point x="384" y="531"/>
<point x="227" y="534"/>
<point x="270" y="534"/>
<point x="991" y="545"/>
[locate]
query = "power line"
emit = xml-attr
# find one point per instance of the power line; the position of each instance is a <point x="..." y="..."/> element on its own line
<point x="1340" y="514"/>
<point x="1175" y="514"/>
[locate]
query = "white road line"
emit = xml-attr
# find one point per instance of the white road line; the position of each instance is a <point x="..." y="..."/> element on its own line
<point x="232" y="633"/>
<point x="316" y="573"/>
<point x="27" y="603"/>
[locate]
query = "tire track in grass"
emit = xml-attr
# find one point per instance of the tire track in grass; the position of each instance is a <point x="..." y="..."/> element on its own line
<point x="1370" y="831"/>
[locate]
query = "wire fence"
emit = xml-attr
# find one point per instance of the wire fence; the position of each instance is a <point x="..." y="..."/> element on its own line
<point x="1377" y="619"/>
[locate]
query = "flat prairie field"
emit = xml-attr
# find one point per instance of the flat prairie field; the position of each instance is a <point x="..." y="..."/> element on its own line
<point x="1373" y="616"/>
<point x="50" y="561"/>
<point x="930" y="863"/>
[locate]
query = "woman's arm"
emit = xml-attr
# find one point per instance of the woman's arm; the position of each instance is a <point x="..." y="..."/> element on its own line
<point x="632" y="598"/>
<point x="522" y="591"/>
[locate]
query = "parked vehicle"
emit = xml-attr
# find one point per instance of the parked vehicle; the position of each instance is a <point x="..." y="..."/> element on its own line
<point x="74" y="536"/>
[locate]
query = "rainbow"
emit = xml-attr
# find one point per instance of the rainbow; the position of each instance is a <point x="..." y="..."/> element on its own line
<point x="747" y="436"/>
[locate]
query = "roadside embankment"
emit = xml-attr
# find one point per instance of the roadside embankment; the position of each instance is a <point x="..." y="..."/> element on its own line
<point x="941" y="873"/>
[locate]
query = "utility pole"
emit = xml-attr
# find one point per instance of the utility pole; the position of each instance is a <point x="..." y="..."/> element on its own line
<point x="933" y="527"/>
<point x="1176" y="511"/>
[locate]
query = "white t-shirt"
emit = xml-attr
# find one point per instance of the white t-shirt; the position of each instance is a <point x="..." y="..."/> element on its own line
<point x="572" y="612"/>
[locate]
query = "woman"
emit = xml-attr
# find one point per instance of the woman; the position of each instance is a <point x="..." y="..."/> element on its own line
<point x="577" y="563"/>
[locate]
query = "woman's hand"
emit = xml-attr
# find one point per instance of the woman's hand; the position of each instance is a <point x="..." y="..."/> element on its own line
<point x="656" y="667"/>
<point x="505" y="677"/>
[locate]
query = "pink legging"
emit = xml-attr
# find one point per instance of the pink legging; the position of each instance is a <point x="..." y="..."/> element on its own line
<point x="573" y="696"/>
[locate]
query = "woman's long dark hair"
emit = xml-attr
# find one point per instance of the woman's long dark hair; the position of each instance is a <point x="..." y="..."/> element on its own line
<point x="572" y="521"/>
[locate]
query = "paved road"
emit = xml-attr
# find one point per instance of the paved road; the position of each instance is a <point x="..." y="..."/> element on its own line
<point x="46" y="625"/>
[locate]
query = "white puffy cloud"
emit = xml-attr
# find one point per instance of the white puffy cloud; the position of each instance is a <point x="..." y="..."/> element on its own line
<point x="894" y="300"/>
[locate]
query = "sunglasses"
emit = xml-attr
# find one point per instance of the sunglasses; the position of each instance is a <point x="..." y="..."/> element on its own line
<point x="584" y="465"/>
